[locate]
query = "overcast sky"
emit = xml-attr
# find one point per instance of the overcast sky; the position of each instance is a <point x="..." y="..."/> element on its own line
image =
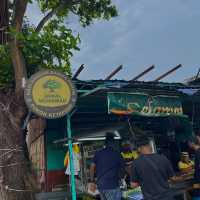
<point x="146" y="32"/>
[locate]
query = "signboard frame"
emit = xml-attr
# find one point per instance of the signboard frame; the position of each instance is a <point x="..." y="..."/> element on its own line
<point x="45" y="111"/>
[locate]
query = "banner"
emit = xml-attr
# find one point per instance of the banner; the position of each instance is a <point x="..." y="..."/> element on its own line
<point x="143" y="104"/>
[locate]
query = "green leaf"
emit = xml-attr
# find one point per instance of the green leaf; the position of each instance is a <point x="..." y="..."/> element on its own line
<point x="52" y="48"/>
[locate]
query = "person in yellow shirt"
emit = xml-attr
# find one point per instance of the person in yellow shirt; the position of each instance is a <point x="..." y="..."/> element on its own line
<point x="129" y="156"/>
<point x="185" y="165"/>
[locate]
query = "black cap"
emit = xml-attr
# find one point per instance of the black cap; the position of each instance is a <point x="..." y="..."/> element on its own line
<point x="109" y="138"/>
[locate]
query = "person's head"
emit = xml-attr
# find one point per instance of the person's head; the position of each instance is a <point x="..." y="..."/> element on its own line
<point x="126" y="146"/>
<point x="185" y="157"/>
<point x="144" y="146"/>
<point x="110" y="138"/>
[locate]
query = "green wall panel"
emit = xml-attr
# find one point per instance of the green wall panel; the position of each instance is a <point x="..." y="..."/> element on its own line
<point x="56" y="129"/>
<point x="55" y="158"/>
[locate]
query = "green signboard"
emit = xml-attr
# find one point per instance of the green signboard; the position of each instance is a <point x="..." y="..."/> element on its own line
<point x="143" y="104"/>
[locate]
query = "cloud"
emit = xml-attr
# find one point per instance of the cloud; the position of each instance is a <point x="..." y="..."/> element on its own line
<point x="103" y="42"/>
<point x="164" y="33"/>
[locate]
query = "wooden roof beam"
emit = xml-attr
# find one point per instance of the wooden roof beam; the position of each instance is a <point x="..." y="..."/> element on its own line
<point x="113" y="73"/>
<point x="143" y="73"/>
<point x="168" y="73"/>
<point x="80" y="69"/>
<point x="197" y="76"/>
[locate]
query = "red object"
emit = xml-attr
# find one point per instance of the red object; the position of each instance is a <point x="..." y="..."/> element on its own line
<point x="55" y="178"/>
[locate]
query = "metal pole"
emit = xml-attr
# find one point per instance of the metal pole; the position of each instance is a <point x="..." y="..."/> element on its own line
<point x="167" y="73"/>
<point x="143" y="73"/>
<point x="197" y="76"/>
<point x="72" y="179"/>
<point x="113" y="73"/>
<point x="80" y="69"/>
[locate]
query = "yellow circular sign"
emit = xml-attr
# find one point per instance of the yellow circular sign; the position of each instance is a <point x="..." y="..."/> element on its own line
<point x="50" y="94"/>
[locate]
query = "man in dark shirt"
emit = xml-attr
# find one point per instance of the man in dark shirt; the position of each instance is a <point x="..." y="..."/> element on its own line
<point x="152" y="171"/>
<point x="107" y="164"/>
<point x="196" y="148"/>
<point x="194" y="145"/>
<point x="197" y="164"/>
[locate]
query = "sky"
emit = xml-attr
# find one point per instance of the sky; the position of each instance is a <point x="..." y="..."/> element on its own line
<point x="160" y="32"/>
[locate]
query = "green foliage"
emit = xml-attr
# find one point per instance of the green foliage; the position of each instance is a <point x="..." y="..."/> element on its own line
<point x="52" y="47"/>
<point x="92" y="9"/>
<point x="46" y="5"/>
<point x="6" y="70"/>
<point x="87" y="10"/>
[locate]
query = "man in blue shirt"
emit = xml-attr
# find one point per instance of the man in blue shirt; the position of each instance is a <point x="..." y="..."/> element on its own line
<point x="108" y="165"/>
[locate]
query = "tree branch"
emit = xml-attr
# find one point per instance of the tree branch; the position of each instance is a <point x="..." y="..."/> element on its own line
<point x="46" y="18"/>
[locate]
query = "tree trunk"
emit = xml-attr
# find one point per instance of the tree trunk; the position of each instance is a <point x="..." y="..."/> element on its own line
<point x="15" y="173"/>
<point x="14" y="167"/>
<point x="16" y="53"/>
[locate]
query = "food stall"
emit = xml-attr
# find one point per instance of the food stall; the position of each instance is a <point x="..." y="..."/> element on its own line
<point x="128" y="109"/>
<point x="161" y="118"/>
